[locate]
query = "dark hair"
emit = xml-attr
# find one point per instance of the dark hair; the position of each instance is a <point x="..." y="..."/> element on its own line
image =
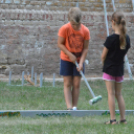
<point x="119" y="19"/>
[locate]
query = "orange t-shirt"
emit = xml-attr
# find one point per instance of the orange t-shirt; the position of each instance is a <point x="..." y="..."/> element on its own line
<point x="74" y="40"/>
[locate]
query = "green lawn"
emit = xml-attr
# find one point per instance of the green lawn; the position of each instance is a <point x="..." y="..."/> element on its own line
<point x="64" y="125"/>
<point x="52" y="98"/>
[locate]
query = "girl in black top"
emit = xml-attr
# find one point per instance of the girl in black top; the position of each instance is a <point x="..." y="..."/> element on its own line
<point x="114" y="51"/>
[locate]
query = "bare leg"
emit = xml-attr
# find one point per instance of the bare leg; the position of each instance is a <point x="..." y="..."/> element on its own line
<point x="120" y="100"/>
<point x="67" y="90"/>
<point x="75" y="90"/>
<point x="111" y="98"/>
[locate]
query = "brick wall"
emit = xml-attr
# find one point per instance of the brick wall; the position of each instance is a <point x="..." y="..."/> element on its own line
<point x="28" y="33"/>
<point x="85" y="5"/>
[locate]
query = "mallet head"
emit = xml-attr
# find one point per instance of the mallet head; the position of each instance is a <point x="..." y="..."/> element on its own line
<point x="95" y="100"/>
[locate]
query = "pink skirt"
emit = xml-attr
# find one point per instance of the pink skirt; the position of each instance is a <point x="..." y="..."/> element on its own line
<point x="108" y="77"/>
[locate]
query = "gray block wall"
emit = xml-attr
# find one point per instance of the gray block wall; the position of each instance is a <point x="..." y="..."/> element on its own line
<point x="28" y="33"/>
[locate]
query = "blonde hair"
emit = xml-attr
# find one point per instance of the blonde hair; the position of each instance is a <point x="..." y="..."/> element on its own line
<point x="74" y="15"/>
<point x="119" y="19"/>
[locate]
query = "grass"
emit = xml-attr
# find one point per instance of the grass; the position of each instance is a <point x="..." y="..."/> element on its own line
<point x="52" y="98"/>
<point x="63" y="125"/>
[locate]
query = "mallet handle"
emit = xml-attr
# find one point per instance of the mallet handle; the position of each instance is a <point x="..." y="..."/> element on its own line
<point x="83" y="76"/>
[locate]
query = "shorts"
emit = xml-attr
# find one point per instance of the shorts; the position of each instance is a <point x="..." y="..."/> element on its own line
<point x="69" y="69"/>
<point x="117" y="79"/>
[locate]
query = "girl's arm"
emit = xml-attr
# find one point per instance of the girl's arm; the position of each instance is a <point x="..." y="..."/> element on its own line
<point x="84" y="54"/>
<point x="61" y="45"/>
<point x="104" y="54"/>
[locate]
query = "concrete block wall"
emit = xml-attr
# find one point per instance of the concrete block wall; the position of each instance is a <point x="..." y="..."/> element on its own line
<point x="85" y="5"/>
<point x="28" y="33"/>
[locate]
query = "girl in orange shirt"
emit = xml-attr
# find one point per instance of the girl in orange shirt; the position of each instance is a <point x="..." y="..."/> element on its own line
<point x="73" y="40"/>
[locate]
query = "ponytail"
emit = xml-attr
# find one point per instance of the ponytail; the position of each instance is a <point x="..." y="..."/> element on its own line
<point x="123" y="34"/>
<point x="119" y="19"/>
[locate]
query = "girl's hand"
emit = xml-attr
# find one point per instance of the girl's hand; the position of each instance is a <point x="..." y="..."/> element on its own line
<point x="72" y="57"/>
<point x="80" y="67"/>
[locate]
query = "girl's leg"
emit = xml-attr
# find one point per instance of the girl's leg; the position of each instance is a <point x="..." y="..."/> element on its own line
<point x="75" y="90"/>
<point x="120" y="100"/>
<point x="67" y="90"/>
<point x="111" y="98"/>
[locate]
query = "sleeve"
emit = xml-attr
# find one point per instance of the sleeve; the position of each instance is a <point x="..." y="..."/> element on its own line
<point x="107" y="43"/>
<point x="87" y="34"/>
<point x="62" y="31"/>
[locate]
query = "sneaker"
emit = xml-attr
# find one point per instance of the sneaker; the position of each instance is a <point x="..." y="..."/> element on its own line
<point x="69" y="109"/>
